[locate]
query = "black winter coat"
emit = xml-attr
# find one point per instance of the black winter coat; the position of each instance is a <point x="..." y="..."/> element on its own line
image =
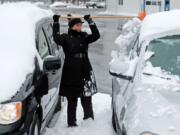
<point x="75" y="69"/>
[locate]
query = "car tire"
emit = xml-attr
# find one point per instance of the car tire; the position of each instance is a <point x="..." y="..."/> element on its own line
<point x="87" y="6"/>
<point x="35" y="126"/>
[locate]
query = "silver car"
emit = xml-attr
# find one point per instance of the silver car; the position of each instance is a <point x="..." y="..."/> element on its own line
<point x="146" y="81"/>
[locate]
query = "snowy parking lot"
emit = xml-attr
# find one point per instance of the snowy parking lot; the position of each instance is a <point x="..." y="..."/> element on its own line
<point x="102" y="125"/>
<point x="140" y="97"/>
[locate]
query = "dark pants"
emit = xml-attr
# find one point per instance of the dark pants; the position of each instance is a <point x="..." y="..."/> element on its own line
<point x="86" y="103"/>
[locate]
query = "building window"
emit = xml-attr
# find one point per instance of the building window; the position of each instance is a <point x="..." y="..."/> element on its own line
<point x="154" y="3"/>
<point x="121" y="2"/>
<point x="148" y="2"/>
<point x="167" y="5"/>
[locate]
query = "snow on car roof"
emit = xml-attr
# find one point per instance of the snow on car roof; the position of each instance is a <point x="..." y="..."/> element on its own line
<point x="17" y="44"/>
<point x="160" y="25"/>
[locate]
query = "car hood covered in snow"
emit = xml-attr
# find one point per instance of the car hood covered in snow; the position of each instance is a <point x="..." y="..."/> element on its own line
<point x="157" y="107"/>
<point x="160" y="25"/>
<point x="17" y="45"/>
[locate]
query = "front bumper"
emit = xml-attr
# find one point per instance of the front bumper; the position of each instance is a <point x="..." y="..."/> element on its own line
<point x="12" y="129"/>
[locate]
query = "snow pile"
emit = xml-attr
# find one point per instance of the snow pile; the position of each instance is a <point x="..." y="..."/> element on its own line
<point x="160" y="25"/>
<point x="159" y="76"/>
<point x="157" y="109"/>
<point x="129" y="34"/>
<point x="102" y="124"/>
<point x="148" y="55"/>
<point x="17" y="44"/>
<point x="126" y="68"/>
<point x="129" y="31"/>
<point x="59" y="5"/>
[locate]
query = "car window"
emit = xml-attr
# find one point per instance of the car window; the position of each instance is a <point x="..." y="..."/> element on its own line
<point x="43" y="45"/>
<point x="49" y="32"/>
<point x="166" y="54"/>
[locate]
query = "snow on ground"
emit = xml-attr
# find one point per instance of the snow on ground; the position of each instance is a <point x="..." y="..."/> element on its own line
<point x="17" y="44"/>
<point x="100" y="126"/>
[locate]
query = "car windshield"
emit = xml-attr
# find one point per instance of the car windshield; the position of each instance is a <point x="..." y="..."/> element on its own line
<point x="167" y="54"/>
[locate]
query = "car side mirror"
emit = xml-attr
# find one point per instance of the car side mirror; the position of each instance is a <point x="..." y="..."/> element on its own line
<point x="51" y="63"/>
<point x="124" y="70"/>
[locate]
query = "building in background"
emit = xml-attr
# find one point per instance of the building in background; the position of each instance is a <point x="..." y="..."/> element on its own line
<point x="133" y="7"/>
<point x="123" y="6"/>
<point x="151" y="6"/>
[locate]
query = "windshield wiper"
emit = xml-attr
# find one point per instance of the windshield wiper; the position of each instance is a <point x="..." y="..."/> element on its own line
<point x="150" y="74"/>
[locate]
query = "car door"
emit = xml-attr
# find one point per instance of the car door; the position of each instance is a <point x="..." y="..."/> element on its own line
<point x="125" y="88"/>
<point x="44" y="51"/>
<point x="129" y="96"/>
<point x="54" y="77"/>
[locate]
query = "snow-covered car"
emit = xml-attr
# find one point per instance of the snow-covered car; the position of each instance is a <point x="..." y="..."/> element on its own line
<point x="92" y="3"/>
<point x="58" y="5"/>
<point x="101" y="5"/>
<point x="146" y="76"/>
<point x="30" y="69"/>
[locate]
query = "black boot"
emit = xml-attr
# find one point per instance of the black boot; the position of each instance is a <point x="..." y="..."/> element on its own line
<point x="73" y="125"/>
<point x="90" y="117"/>
<point x="71" y="111"/>
<point x="87" y="107"/>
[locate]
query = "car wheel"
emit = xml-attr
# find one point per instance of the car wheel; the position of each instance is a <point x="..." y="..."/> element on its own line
<point x="35" y="126"/>
<point x="87" y="6"/>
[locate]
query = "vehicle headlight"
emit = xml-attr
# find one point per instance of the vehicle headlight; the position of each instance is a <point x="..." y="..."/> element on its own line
<point x="148" y="133"/>
<point x="10" y="112"/>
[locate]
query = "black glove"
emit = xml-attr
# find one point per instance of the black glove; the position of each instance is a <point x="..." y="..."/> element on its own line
<point x="69" y="15"/>
<point x="56" y="18"/>
<point x="88" y="18"/>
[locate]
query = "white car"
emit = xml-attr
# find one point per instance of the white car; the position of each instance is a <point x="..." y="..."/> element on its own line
<point x="101" y="5"/>
<point x="58" y="5"/>
<point x="151" y="107"/>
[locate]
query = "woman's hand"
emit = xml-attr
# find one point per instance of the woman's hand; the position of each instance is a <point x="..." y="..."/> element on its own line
<point x="56" y="18"/>
<point x="69" y="15"/>
<point x="88" y="18"/>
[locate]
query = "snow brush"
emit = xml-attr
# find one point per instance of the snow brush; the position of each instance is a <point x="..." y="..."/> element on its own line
<point x="99" y="17"/>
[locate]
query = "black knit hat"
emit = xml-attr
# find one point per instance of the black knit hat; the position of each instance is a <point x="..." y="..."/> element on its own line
<point x="74" y="21"/>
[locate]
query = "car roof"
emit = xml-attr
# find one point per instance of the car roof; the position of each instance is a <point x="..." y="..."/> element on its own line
<point x="160" y="25"/>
